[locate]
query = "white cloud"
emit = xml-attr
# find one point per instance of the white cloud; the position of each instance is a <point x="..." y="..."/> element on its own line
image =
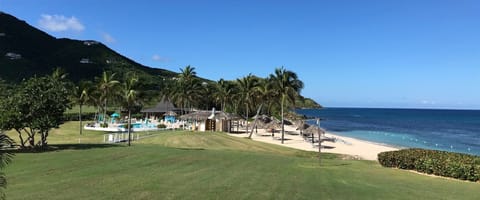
<point x="108" y="38"/>
<point x="57" y="23"/>
<point x="427" y="102"/>
<point x="159" y="58"/>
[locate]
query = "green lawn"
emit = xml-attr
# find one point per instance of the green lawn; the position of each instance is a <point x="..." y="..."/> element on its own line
<point x="186" y="165"/>
<point x="85" y="109"/>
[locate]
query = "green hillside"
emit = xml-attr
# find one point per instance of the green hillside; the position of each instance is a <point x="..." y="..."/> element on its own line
<point x="26" y="51"/>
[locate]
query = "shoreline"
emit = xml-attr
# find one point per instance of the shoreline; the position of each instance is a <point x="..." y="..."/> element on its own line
<point x="361" y="149"/>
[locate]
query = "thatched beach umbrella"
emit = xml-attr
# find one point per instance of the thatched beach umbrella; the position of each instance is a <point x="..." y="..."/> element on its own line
<point x="316" y="129"/>
<point x="301" y="125"/>
<point x="263" y="118"/>
<point x="272" y="125"/>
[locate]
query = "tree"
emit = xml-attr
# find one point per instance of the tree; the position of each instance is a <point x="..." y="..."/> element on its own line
<point x="59" y="73"/>
<point x="188" y="73"/>
<point x="5" y="159"/>
<point x="106" y="85"/>
<point x="266" y="93"/>
<point x="223" y="93"/>
<point x="129" y="98"/>
<point x="246" y="90"/>
<point x="287" y="86"/>
<point x="35" y="108"/>
<point x="187" y="92"/>
<point x="82" y="95"/>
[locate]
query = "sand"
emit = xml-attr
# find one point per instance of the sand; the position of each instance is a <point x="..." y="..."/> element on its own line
<point x="344" y="145"/>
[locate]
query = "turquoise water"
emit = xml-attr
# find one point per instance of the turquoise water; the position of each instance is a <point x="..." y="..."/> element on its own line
<point x="139" y="125"/>
<point x="449" y="130"/>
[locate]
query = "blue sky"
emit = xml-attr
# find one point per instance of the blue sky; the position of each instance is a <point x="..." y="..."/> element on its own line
<point x="349" y="53"/>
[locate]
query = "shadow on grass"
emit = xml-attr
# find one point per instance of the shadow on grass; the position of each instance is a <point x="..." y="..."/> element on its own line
<point x="61" y="147"/>
<point x="190" y="149"/>
<point x="237" y="132"/>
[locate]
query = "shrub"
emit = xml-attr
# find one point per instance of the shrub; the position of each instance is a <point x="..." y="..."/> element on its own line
<point x="161" y="126"/>
<point x="440" y="163"/>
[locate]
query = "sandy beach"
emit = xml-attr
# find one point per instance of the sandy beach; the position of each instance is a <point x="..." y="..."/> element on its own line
<point x="343" y="145"/>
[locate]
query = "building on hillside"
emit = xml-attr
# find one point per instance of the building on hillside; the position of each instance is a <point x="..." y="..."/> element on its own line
<point x="13" y="56"/>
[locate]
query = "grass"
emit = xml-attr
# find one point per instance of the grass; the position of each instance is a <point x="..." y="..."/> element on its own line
<point x="186" y="165"/>
<point x="85" y="109"/>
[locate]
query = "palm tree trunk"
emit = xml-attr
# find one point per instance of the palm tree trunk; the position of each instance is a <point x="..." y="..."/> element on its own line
<point x="105" y="111"/>
<point x="80" y="119"/>
<point x="128" y="125"/>
<point x="247" y="117"/>
<point x="283" y="128"/>
<point x="255" y="121"/>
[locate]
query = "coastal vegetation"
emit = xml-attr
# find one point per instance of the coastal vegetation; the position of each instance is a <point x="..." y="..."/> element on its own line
<point x="38" y="104"/>
<point x="34" y="107"/>
<point x="440" y="163"/>
<point x="189" y="165"/>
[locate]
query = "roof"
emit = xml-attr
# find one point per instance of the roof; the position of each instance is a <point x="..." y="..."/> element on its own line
<point x="314" y="129"/>
<point x="161" y="107"/>
<point x="205" y="114"/>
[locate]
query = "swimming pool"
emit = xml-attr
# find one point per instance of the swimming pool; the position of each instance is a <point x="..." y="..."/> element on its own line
<point x="138" y="125"/>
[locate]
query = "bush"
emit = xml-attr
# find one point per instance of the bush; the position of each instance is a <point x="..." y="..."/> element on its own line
<point x="104" y="125"/>
<point x="440" y="163"/>
<point x="161" y="126"/>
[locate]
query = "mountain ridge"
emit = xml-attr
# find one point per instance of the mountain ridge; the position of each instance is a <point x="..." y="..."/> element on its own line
<point x="26" y="51"/>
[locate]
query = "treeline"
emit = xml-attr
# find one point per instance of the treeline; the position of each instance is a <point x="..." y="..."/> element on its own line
<point x="242" y="96"/>
<point x="38" y="104"/>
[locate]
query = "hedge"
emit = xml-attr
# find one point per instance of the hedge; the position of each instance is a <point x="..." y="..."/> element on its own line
<point x="440" y="163"/>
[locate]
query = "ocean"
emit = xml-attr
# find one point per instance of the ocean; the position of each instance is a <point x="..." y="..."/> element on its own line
<point x="448" y="130"/>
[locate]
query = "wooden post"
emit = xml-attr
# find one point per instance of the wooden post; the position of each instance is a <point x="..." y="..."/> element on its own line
<point x="319" y="147"/>
<point x="319" y="142"/>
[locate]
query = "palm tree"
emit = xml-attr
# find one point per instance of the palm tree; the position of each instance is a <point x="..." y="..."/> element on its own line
<point x="247" y="87"/>
<point x="187" y="74"/>
<point x="224" y="92"/>
<point x="106" y="85"/>
<point x="82" y="95"/>
<point x="288" y="86"/>
<point x="187" y="93"/>
<point x="266" y="93"/>
<point x="129" y="96"/>
<point x="59" y="73"/>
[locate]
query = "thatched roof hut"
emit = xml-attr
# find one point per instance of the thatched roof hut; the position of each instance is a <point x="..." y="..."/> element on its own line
<point x="206" y="114"/>
<point x="162" y="107"/>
